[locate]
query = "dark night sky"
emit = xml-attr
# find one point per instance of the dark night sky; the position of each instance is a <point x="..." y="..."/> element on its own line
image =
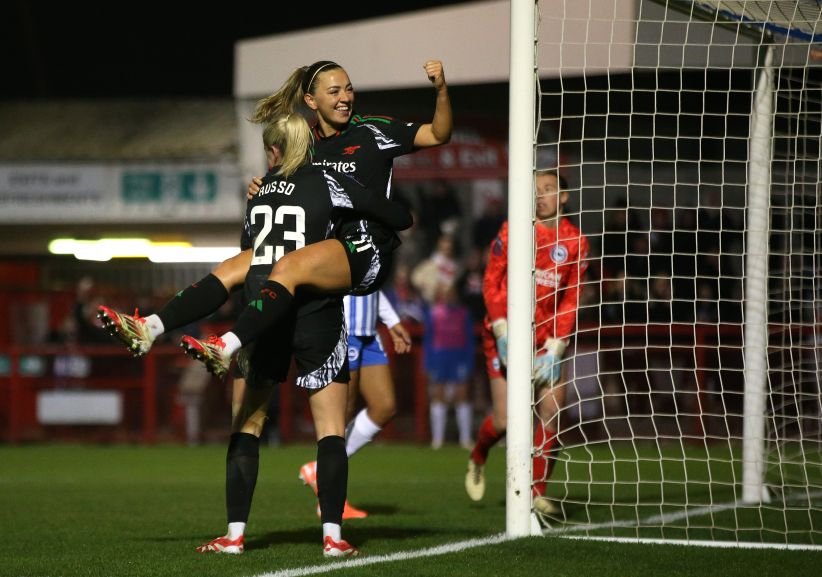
<point x="150" y="49"/>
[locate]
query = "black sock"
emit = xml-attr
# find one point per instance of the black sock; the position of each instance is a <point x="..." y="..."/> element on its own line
<point x="241" y="467"/>
<point x="271" y="305"/>
<point x="332" y="478"/>
<point x="193" y="303"/>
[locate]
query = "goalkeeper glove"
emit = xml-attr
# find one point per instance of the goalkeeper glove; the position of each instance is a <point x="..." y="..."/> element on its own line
<point x="500" y="329"/>
<point x="547" y="367"/>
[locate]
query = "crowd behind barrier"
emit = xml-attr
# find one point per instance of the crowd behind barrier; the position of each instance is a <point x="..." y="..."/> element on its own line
<point x="659" y="337"/>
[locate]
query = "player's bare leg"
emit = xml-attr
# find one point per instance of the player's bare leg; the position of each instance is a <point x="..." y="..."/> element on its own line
<point x="232" y="271"/>
<point x="322" y="266"/>
<point x="375" y="384"/>
<point x="328" y="406"/>
<point x="377" y="389"/>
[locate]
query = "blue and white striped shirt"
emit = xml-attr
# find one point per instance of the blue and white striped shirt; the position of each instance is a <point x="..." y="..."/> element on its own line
<point x="363" y="312"/>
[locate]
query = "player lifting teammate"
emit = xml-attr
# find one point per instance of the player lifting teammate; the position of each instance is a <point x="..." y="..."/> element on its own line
<point x="297" y="206"/>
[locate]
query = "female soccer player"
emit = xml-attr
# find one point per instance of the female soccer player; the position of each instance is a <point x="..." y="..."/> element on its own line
<point x="297" y="206"/>
<point x="356" y="261"/>
<point x="561" y="261"/>
<point x="370" y="376"/>
<point x="361" y="146"/>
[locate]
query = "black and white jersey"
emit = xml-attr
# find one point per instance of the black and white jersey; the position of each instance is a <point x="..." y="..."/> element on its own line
<point x="366" y="150"/>
<point x="289" y="213"/>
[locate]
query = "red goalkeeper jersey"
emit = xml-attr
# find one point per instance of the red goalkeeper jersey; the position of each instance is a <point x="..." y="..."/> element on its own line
<point x="562" y="257"/>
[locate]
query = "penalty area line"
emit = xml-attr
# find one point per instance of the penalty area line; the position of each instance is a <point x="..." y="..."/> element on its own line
<point x="393" y="557"/>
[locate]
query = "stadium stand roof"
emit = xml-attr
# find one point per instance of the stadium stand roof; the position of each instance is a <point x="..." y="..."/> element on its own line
<point x="118" y="130"/>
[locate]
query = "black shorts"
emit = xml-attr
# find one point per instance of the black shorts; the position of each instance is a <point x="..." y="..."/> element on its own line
<point x="370" y="262"/>
<point x="315" y="335"/>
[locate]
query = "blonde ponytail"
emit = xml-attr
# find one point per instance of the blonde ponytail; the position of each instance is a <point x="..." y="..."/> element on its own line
<point x="286" y="100"/>
<point x="292" y="136"/>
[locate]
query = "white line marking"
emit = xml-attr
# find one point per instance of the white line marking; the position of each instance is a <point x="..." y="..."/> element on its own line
<point x="401" y="556"/>
<point x="718" y="544"/>
<point x="558" y="532"/>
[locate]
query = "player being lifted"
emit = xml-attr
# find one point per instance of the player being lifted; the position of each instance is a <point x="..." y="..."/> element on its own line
<point x="561" y="260"/>
<point x="358" y="260"/>
<point x="363" y="147"/>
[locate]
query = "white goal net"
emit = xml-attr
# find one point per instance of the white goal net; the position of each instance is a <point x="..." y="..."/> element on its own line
<point x="689" y="133"/>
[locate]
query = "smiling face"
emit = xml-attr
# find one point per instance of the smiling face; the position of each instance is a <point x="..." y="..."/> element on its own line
<point x="549" y="199"/>
<point x="332" y="100"/>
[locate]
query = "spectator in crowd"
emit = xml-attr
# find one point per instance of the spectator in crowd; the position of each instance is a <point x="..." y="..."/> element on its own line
<point x="487" y="225"/>
<point x="661" y="238"/>
<point x="469" y="287"/>
<point x="469" y="283"/>
<point x="612" y="309"/>
<point x="84" y="313"/>
<point x="404" y="297"/>
<point x="684" y="264"/>
<point x="449" y="362"/>
<point x="659" y="301"/>
<point x="441" y="267"/>
<point x="621" y="224"/>
<point x="413" y="249"/>
<point x="707" y="305"/>
<point x="440" y="212"/>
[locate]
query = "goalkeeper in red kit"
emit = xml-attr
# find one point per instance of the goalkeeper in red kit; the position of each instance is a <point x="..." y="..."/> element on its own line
<point x="561" y="260"/>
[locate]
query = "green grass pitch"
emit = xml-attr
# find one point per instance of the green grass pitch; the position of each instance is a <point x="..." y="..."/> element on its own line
<point x="74" y="510"/>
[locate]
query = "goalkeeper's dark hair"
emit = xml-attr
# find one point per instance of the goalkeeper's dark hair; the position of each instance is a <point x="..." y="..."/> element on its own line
<point x="290" y="96"/>
<point x="563" y="184"/>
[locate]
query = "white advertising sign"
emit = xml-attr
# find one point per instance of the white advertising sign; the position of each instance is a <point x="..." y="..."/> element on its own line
<point x="83" y="194"/>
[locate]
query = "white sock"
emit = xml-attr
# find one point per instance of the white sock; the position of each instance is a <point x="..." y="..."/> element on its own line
<point x="155" y="326"/>
<point x="362" y="432"/>
<point x="232" y="343"/>
<point x="332" y="530"/>
<point x="235" y="530"/>
<point x="439" y="412"/>
<point x="465" y="416"/>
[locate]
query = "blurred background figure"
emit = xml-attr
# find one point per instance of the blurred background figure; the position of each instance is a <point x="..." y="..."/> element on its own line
<point x="404" y="296"/>
<point x="449" y="362"/>
<point x="441" y="267"/>
<point x="440" y="212"/>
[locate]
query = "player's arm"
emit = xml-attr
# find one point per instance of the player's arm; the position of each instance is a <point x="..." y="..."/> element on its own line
<point x="442" y="124"/>
<point x="495" y="291"/>
<point x="373" y="206"/>
<point x="390" y="318"/>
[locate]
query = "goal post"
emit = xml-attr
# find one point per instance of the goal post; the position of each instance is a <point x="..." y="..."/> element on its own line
<point x="689" y="134"/>
<point x="756" y="285"/>
<point x="522" y="94"/>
